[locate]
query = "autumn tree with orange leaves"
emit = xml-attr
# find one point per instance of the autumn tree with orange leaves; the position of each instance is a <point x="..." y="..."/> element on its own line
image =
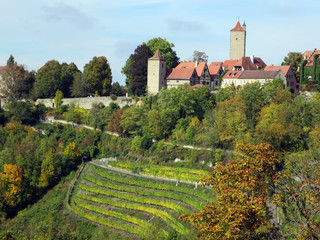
<point x="241" y="193"/>
<point x="11" y="184"/>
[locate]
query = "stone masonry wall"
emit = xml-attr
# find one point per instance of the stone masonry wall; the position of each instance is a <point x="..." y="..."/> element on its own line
<point x="87" y="102"/>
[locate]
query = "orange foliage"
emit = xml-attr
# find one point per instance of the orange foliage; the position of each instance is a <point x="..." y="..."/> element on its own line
<point x="12" y="178"/>
<point x="240" y="188"/>
<point x="115" y="119"/>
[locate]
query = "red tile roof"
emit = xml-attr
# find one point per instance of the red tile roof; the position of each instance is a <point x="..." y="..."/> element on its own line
<point x="246" y="63"/>
<point x="214" y="69"/>
<point x="181" y="73"/>
<point x="228" y="64"/>
<point x="232" y="74"/>
<point x="237" y="27"/>
<point x="216" y="64"/>
<point x="157" y="56"/>
<point x="199" y="68"/>
<point x="284" y="69"/>
<point x="308" y="55"/>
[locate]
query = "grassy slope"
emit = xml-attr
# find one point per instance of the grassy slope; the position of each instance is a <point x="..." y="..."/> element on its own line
<point x="106" y="195"/>
<point x="49" y="219"/>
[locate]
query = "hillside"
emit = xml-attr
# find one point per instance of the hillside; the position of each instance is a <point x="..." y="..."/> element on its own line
<point x="133" y="205"/>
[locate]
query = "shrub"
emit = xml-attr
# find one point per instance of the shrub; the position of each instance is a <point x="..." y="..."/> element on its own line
<point x="113" y="97"/>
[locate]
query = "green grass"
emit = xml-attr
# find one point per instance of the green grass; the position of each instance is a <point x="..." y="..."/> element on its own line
<point x="49" y="219"/>
<point x="202" y="193"/>
<point x="127" y="203"/>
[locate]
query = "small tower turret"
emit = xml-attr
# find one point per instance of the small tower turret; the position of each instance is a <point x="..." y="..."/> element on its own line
<point x="238" y="41"/>
<point x="157" y="69"/>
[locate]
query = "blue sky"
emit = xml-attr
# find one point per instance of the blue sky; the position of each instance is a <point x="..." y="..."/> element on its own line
<point x="37" y="31"/>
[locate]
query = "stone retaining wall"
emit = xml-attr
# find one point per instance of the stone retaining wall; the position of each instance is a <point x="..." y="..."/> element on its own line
<point x="87" y="102"/>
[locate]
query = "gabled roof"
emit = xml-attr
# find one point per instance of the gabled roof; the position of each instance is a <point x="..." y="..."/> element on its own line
<point x="214" y="69"/>
<point x="257" y="74"/>
<point x="157" y="56"/>
<point x="284" y="69"/>
<point x="199" y="69"/>
<point x="245" y="62"/>
<point x="228" y="64"/>
<point x="259" y="62"/>
<point x="181" y="73"/>
<point x="237" y="27"/>
<point x="308" y="55"/>
<point x="216" y="64"/>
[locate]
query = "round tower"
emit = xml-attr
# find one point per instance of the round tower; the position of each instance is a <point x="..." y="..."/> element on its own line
<point x="156" y="73"/>
<point x="238" y="41"/>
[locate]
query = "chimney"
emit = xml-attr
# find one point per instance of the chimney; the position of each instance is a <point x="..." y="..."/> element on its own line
<point x="196" y="64"/>
<point x="252" y="58"/>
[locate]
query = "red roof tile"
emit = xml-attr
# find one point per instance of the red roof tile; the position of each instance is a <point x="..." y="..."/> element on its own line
<point x="181" y="73"/>
<point x="199" y="68"/>
<point x="157" y="56"/>
<point x="284" y="69"/>
<point x="245" y="62"/>
<point x="214" y="69"/>
<point x="237" y="27"/>
<point x="308" y="55"/>
<point x="228" y="64"/>
<point x="216" y="64"/>
<point x="232" y="74"/>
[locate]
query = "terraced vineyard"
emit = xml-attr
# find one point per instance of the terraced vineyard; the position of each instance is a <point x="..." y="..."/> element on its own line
<point x="185" y="174"/>
<point x="133" y="204"/>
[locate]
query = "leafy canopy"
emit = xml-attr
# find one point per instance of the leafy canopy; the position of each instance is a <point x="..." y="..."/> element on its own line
<point x="240" y="189"/>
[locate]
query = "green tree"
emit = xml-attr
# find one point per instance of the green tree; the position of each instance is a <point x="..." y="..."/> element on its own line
<point x="241" y="193"/>
<point x="226" y="92"/>
<point x="20" y="111"/>
<point x="294" y="60"/>
<point x="116" y="89"/>
<point x="80" y="86"/>
<point x="10" y="61"/>
<point x="133" y="120"/>
<point x="269" y="90"/>
<point x="252" y="96"/>
<point x="58" y="98"/>
<point x="125" y="71"/>
<point x="165" y="49"/>
<point x="230" y="123"/>
<point x="138" y="70"/>
<point x="98" y="75"/>
<point x="299" y="195"/>
<point x="48" y="80"/>
<point x="68" y="73"/>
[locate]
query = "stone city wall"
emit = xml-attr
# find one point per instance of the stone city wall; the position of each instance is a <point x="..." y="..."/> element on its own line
<point x="87" y="102"/>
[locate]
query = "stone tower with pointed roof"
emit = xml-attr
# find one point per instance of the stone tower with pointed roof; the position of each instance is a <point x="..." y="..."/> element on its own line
<point x="238" y="41"/>
<point x="156" y="73"/>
